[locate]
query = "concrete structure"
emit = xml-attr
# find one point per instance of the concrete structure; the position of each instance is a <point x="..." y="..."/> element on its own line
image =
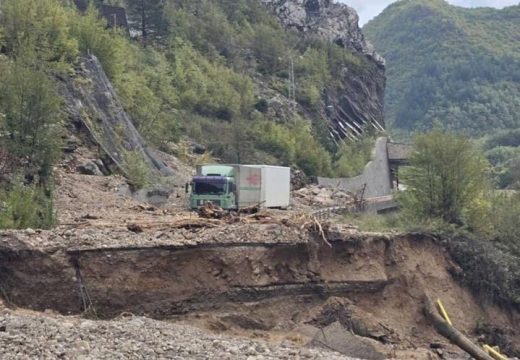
<point x="379" y="177"/>
<point x="114" y="15"/>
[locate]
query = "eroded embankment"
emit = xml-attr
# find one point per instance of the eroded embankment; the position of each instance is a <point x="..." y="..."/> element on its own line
<point x="162" y="281"/>
<point x="373" y="283"/>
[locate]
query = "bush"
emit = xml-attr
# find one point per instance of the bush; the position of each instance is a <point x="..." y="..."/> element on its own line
<point x="38" y="29"/>
<point x="93" y="37"/>
<point x="137" y="171"/>
<point x="31" y="117"/>
<point x="505" y="215"/>
<point x="294" y="145"/>
<point x="208" y="88"/>
<point x="26" y="206"/>
<point x="447" y="179"/>
<point x="504" y="138"/>
<point x="353" y="156"/>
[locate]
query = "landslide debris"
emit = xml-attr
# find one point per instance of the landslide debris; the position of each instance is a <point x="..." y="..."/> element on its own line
<point x="27" y="335"/>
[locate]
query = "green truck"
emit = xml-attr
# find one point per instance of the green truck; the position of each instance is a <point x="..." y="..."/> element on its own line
<point x="239" y="186"/>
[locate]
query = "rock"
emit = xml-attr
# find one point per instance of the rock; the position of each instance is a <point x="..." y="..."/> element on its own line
<point x="71" y="145"/>
<point x="101" y="166"/>
<point x="335" y="22"/>
<point x="336" y="337"/>
<point x="359" y="97"/>
<point x="306" y="354"/>
<point x="89" y="168"/>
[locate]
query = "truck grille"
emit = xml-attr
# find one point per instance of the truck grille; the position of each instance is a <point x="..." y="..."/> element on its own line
<point x="215" y="202"/>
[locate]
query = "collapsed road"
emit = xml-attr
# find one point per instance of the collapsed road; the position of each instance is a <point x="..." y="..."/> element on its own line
<point x="256" y="276"/>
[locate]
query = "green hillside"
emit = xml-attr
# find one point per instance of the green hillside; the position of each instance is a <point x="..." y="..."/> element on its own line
<point x="447" y="64"/>
<point x="200" y="68"/>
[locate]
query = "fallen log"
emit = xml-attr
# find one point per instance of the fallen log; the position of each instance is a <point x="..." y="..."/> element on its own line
<point x="452" y="334"/>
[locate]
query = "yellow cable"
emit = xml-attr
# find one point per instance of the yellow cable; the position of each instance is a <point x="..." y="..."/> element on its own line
<point x="443" y="312"/>
<point x="495" y="354"/>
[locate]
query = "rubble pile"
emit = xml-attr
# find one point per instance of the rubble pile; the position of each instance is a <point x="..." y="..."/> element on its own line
<point x="319" y="196"/>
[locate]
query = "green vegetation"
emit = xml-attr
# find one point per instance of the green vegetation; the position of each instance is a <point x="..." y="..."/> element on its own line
<point x="352" y="157"/>
<point x="449" y="64"/>
<point x="446" y="179"/>
<point x="199" y="72"/>
<point x="503" y="151"/>
<point x="137" y="171"/>
<point x="23" y="206"/>
<point x="30" y="122"/>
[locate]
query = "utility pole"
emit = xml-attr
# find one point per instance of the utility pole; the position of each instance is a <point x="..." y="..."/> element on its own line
<point x="292" y="83"/>
<point x="115" y="23"/>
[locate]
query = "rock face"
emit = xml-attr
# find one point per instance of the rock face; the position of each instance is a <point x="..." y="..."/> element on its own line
<point x="92" y="102"/>
<point x="331" y="21"/>
<point x="359" y="100"/>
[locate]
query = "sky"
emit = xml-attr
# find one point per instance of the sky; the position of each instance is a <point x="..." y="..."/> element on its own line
<point x="367" y="9"/>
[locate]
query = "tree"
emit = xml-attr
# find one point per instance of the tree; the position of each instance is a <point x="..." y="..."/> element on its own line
<point x="38" y="30"/>
<point x="149" y="15"/>
<point x="447" y="178"/>
<point x="30" y="121"/>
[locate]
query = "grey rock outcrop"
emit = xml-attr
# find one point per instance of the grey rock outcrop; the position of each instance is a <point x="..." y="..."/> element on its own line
<point x="358" y="100"/>
<point x="335" y="22"/>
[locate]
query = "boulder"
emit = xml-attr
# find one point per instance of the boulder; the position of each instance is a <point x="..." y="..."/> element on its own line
<point x="89" y="168"/>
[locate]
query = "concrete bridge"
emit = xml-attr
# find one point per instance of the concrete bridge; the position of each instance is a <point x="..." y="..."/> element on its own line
<point x="380" y="178"/>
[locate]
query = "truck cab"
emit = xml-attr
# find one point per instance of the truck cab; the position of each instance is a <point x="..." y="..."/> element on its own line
<point x="215" y="184"/>
<point x="219" y="190"/>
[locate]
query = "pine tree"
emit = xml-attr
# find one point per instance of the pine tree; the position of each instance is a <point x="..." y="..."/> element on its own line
<point x="148" y="17"/>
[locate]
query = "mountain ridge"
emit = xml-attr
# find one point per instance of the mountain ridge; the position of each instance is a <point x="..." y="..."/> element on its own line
<point x="449" y="64"/>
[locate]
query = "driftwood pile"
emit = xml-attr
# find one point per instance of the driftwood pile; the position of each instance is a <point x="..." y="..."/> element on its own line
<point x="255" y="214"/>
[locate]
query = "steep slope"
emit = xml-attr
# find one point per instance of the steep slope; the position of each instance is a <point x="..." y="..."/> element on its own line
<point x="449" y="64"/>
<point x="267" y="76"/>
<point x="357" y="100"/>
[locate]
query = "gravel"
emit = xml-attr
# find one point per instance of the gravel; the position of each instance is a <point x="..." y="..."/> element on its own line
<point x="28" y="335"/>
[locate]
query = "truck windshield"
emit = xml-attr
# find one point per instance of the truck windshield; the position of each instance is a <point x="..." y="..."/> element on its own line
<point x="209" y="187"/>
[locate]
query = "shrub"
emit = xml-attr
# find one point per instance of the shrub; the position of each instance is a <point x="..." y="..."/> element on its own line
<point x="353" y="156"/>
<point x="447" y="178"/>
<point x="31" y="117"/>
<point x="505" y="217"/>
<point x="26" y="206"/>
<point x="137" y="171"/>
<point x="38" y="29"/>
<point x="93" y="37"/>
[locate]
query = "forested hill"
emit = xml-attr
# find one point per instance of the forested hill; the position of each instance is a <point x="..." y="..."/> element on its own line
<point x="450" y="64"/>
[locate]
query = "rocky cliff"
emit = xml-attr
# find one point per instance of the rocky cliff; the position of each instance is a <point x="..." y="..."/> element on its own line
<point x="359" y="100"/>
<point x="331" y="21"/>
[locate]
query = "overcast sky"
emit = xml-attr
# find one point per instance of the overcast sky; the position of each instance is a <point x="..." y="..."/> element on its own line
<point x="367" y="9"/>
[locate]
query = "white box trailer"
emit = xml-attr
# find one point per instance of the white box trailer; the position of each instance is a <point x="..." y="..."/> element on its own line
<point x="249" y="185"/>
<point x="268" y="185"/>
